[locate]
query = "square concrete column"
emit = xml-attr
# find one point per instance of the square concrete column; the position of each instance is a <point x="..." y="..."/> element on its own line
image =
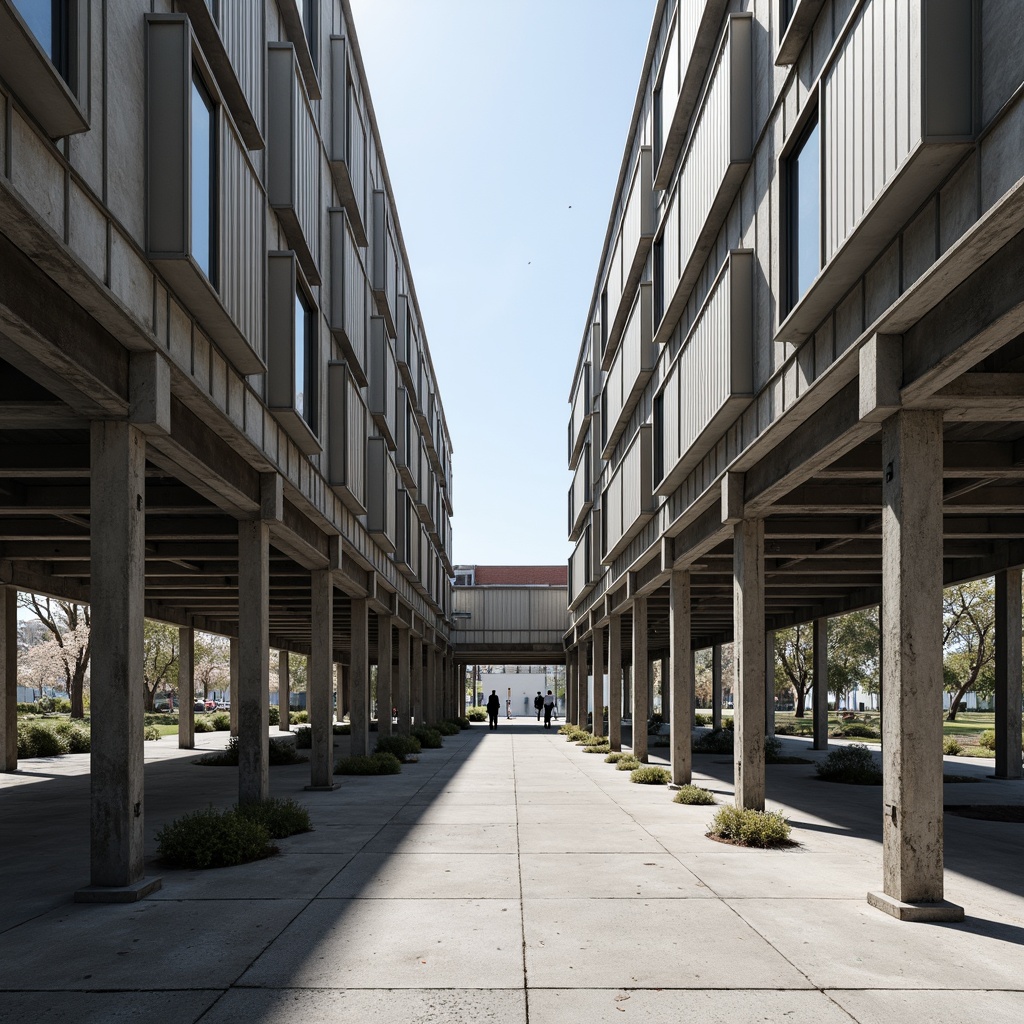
<point x="598" y="671"/>
<point x="912" y="628"/>
<point x="233" y="685"/>
<point x="615" y="682"/>
<point x="359" y="678"/>
<point x="8" y="679"/>
<point x="819" y="685"/>
<point x="320" y="680"/>
<point x="284" y="692"/>
<point x="681" y="688"/>
<point x="1008" y="674"/>
<point x="429" y="691"/>
<point x="117" y="593"/>
<point x="342" y="700"/>
<point x="186" y="688"/>
<point x="384" y="675"/>
<point x="253" y="661"/>
<point x="769" y="683"/>
<point x="641" y="678"/>
<point x="750" y="661"/>
<point x="416" y="679"/>
<point x="582" y="674"/>
<point x="716" y="686"/>
<point x="570" y="686"/>
<point x="403" y="688"/>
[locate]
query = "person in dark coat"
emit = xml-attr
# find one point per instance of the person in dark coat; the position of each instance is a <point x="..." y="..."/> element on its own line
<point x="493" y="707"/>
<point x="538" y="703"/>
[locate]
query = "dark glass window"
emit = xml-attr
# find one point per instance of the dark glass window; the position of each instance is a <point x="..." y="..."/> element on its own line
<point x="659" y="281"/>
<point x="310" y="13"/>
<point x="656" y="117"/>
<point x="204" y="180"/>
<point x="50" y="22"/>
<point x="658" y="439"/>
<point x="604" y="320"/>
<point x="785" y="15"/>
<point x="305" y="360"/>
<point x="803" y="185"/>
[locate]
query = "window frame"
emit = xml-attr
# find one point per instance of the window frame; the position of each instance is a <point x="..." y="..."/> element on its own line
<point x="809" y="124"/>
<point x="201" y="87"/>
<point x="310" y="410"/>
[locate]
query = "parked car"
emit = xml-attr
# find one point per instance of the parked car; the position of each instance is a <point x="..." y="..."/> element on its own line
<point x="223" y="705"/>
<point x="199" y="707"/>
<point x="211" y="705"/>
<point x="162" y="707"/>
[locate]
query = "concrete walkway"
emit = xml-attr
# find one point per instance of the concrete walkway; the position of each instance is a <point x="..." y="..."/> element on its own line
<point x="508" y="877"/>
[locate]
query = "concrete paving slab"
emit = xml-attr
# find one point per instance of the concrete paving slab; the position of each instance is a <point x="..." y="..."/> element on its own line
<point x="458" y="812"/>
<point x="401" y="1006"/>
<point x="107" y="1007"/>
<point x="550" y="837"/>
<point x="591" y="943"/>
<point x="331" y="839"/>
<point x="428" y="876"/>
<point x="611" y="876"/>
<point x="666" y="1006"/>
<point x="400" y="943"/>
<point x="448" y="839"/>
<point x="936" y="1007"/>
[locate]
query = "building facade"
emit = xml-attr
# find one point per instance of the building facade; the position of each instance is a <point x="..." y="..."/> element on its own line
<point x="798" y="391"/>
<point x="217" y="402"/>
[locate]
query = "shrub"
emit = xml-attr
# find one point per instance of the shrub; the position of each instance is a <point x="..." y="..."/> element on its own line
<point x="281" y="818"/>
<point x="628" y="763"/>
<point x="657" y="720"/>
<point x="401" y="746"/>
<point x="430" y="739"/>
<point x="986" y="739"/>
<point x="717" y="742"/>
<point x="476" y="714"/>
<point x="221" y="721"/>
<point x="279" y="752"/>
<point x="275" y="715"/>
<point x="951" y="747"/>
<point x="615" y="757"/>
<point x="858" y="729"/>
<point x="597" y="748"/>
<point x="703" y="719"/>
<point x="463" y="722"/>
<point x="368" y="764"/>
<point x="283" y="752"/>
<point x="853" y="764"/>
<point x="588" y="739"/>
<point x="203" y="724"/>
<point x="650" y="775"/>
<point x="36" y="739"/>
<point x="445" y="728"/>
<point x="304" y="738"/>
<point x="772" y="749"/>
<point x="693" y="795"/>
<point x="27" y="708"/>
<point x="564" y="730"/>
<point x="342" y="728"/>
<point x="77" y="734"/>
<point x="729" y="723"/>
<point x="298" y="717"/>
<point x="152" y="732"/>
<point x="213" y="839"/>
<point x="746" y="827"/>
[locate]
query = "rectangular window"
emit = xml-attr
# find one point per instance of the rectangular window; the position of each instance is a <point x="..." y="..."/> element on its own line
<point x="310" y="13"/>
<point x="658" y="439"/>
<point x="305" y="360"/>
<point x="803" y="216"/>
<point x="604" y="320"/>
<point x="785" y="15"/>
<point x="204" y="179"/>
<point x="656" y="118"/>
<point x="658" y="270"/>
<point x="50" y="22"/>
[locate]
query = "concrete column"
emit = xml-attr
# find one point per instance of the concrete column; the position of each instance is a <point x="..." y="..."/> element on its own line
<point x="681" y="688"/>
<point x="8" y="679"/>
<point x="1008" y="674"/>
<point x="284" y="692"/>
<point x="912" y="627"/>
<point x="615" y="682"/>
<point x="429" y="691"/>
<point x="819" y="685"/>
<point x="749" y="657"/>
<point x="693" y="699"/>
<point x="385" y="694"/>
<point x="343" y="701"/>
<point x="117" y="592"/>
<point x="320" y="680"/>
<point x="403" y="699"/>
<point x="233" y="684"/>
<point x="769" y="683"/>
<point x="716" y="686"/>
<point x="416" y="679"/>
<point x="581" y="685"/>
<point x="641" y="678"/>
<point x="253" y="660"/>
<point x="598" y="671"/>
<point x="359" y="678"/>
<point x="570" y="686"/>
<point x="186" y="688"/>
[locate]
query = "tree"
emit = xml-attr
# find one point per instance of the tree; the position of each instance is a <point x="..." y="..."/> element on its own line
<point x="212" y="663"/>
<point x="853" y="654"/>
<point x="968" y="627"/>
<point x="159" y="659"/>
<point x="69" y="642"/>
<point x="794" y="662"/>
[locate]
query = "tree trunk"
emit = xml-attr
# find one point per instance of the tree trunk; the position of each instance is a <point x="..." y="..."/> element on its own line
<point x="78" y="692"/>
<point x="801" y="699"/>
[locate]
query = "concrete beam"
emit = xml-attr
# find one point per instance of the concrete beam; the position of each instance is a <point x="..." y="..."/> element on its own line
<point x="881" y="376"/>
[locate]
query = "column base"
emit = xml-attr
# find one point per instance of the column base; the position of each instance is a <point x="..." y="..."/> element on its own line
<point x="941" y="910"/>
<point x="119" y="893"/>
<point x="1006" y="778"/>
<point x="321" y="789"/>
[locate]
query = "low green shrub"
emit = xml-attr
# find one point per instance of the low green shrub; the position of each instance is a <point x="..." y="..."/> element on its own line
<point x="203" y="724"/>
<point x="628" y="763"/>
<point x="650" y="775"/>
<point x="951" y="747"/>
<point x="747" y="827"/>
<point x="152" y="732"/>
<point x="853" y="765"/>
<point x="564" y="730"/>
<point x="342" y="728"/>
<point x="28" y="708"/>
<point x="281" y="818"/>
<point x="53" y="706"/>
<point x="283" y="752"/>
<point x="275" y="715"/>
<point x="476" y="714"/>
<point x="615" y="757"/>
<point x="368" y="764"/>
<point x="859" y="730"/>
<point x="717" y="742"/>
<point x="445" y="728"/>
<point x="729" y="723"/>
<point x="986" y="739"/>
<point x="298" y="717"/>
<point x="693" y="795"/>
<point x="462" y="721"/>
<point x="597" y="748"/>
<point x="702" y="720"/>
<point x="583" y="738"/>
<point x="78" y="735"/>
<point x="279" y="752"/>
<point x="160" y="718"/>
<point x="213" y="839"/>
<point x="37" y="739"/>
<point x="221" y="721"/>
<point x="304" y="738"/>
<point x="401" y="746"/>
<point x="430" y="739"/>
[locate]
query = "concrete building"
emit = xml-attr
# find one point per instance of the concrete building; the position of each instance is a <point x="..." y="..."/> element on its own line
<point x="799" y="388"/>
<point x="217" y="402"/>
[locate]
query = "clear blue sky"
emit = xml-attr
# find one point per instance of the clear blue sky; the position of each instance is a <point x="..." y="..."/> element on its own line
<point x="503" y="124"/>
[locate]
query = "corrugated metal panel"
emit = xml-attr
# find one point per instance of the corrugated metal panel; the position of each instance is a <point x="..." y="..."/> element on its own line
<point x="382" y="381"/>
<point x="346" y="437"/>
<point x="580" y="495"/>
<point x="348" y="290"/>
<point x="580" y="417"/>
<point x="381" y="488"/>
<point x="628" y="499"/>
<point x="357" y="151"/>
<point x="579" y="568"/>
<point x="239" y="24"/>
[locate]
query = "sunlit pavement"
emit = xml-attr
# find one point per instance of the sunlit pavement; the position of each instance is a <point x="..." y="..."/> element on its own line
<point x="508" y="877"/>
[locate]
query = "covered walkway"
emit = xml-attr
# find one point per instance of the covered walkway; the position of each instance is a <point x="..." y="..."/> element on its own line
<point x="508" y="877"/>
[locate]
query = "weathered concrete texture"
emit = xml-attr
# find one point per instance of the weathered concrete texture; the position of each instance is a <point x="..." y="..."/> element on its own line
<point x="615" y="682"/>
<point x="1008" y="674"/>
<point x="749" y="654"/>
<point x="8" y="679"/>
<point x="253" y="695"/>
<point x="385" y="694"/>
<point x="320" y="679"/>
<point x="186" y="688"/>
<point x="682" y="679"/>
<point x="108" y="1007"/>
<point x="819" y="684"/>
<point x="641" y="679"/>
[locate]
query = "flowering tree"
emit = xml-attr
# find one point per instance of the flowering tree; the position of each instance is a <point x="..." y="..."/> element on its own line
<point x="64" y="654"/>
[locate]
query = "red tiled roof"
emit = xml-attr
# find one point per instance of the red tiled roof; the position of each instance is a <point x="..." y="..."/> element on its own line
<point x="522" y="575"/>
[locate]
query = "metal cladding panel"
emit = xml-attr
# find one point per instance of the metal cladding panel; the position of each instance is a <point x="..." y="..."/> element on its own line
<point x="580" y="417"/>
<point x="381" y="487"/>
<point x="240" y="25"/>
<point x="281" y="283"/>
<point x="629" y="497"/>
<point x="347" y="293"/>
<point x="357" y="152"/>
<point x="404" y="516"/>
<point x="711" y="381"/>
<point x="383" y="382"/>
<point x="580" y="498"/>
<point x="580" y="568"/>
<point x="632" y="367"/>
<point x="346" y="437"/>
<point x="638" y="219"/>
<point x="670" y="243"/>
<point x="613" y="280"/>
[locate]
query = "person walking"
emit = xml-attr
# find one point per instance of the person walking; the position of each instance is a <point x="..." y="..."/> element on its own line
<point x="493" y="707"/>
<point x="508" y="708"/>
<point x="538" y="703"/>
<point x="549" y="707"/>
